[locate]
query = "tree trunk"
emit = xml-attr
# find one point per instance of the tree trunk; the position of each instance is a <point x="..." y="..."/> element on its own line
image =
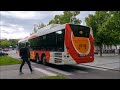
<point x="100" y="50"/>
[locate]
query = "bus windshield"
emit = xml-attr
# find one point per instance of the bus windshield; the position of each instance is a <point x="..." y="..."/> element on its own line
<point x="80" y="31"/>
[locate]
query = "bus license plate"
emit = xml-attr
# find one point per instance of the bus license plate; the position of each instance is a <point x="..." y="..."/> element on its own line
<point x="82" y="55"/>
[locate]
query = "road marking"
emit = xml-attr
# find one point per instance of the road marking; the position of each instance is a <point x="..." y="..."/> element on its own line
<point x="108" y="63"/>
<point x="45" y="72"/>
<point x="33" y="63"/>
<point x="79" y="71"/>
<point x="59" y="71"/>
<point x="100" y="68"/>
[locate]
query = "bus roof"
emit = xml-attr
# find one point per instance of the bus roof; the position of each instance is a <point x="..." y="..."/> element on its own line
<point x="50" y="28"/>
<point x="45" y="30"/>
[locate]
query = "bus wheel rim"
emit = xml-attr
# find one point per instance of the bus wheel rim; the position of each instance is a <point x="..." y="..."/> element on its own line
<point x="37" y="60"/>
<point x="44" y="60"/>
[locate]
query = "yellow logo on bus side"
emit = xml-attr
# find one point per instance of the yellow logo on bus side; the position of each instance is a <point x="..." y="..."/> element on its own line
<point x="81" y="44"/>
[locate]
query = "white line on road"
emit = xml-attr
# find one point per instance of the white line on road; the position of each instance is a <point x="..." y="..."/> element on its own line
<point x="79" y="71"/>
<point x="93" y="67"/>
<point x="45" y="72"/>
<point x="33" y="63"/>
<point x="59" y="71"/>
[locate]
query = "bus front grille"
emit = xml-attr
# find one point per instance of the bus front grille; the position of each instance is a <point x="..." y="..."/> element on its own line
<point x="58" y="60"/>
<point x="58" y="55"/>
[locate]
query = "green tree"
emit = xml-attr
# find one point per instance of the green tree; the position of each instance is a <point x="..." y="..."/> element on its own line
<point x="0" y="43"/>
<point x="106" y="27"/>
<point x="5" y="43"/>
<point x="13" y="42"/>
<point x="97" y="22"/>
<point x="39" y="26"/>
<point x="91" y="21"/>
<point x="65" y="18"/>
<point x="112" y="27"/>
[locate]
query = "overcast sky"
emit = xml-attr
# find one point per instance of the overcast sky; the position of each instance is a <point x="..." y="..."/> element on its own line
<point x="19" y="24"/>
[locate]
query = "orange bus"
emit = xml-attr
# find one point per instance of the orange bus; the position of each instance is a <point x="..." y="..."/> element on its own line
<point x="61" y="44"/>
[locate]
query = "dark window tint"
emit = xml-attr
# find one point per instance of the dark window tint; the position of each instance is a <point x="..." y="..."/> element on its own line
<point x="51" y="42"/>
<point x="80" y="31"/>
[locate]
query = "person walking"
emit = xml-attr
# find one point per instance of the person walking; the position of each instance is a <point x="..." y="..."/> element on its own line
<point x="25" y="54"/>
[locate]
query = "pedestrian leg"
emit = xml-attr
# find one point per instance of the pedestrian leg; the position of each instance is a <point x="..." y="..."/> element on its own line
<point x="29" y="64"/>
<point x="23" y="62"/>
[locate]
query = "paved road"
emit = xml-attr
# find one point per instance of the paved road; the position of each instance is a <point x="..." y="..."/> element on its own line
<point x="80" y="71"/>
<point x="108" y="61"/>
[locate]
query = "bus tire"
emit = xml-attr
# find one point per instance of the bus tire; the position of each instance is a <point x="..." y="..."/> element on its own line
<point x="37" y="59"/>
<point x="44" y="60"/>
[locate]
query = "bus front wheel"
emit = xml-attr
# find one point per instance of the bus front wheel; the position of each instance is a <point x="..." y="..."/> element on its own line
<point x="37" y="59"/>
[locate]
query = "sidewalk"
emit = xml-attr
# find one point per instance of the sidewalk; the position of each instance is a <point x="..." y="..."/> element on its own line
<point x="108" y="61"/>
<point x="12" y="72"/>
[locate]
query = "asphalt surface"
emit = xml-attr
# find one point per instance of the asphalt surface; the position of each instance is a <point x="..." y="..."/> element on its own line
<point x="80" y="71"/>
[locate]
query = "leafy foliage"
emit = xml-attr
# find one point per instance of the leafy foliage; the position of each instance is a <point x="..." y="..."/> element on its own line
<point x="39" y="26"/>
<point x="4" y="43"/>
<point x="106" y="27"/>
<point x="65" y="18"/>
